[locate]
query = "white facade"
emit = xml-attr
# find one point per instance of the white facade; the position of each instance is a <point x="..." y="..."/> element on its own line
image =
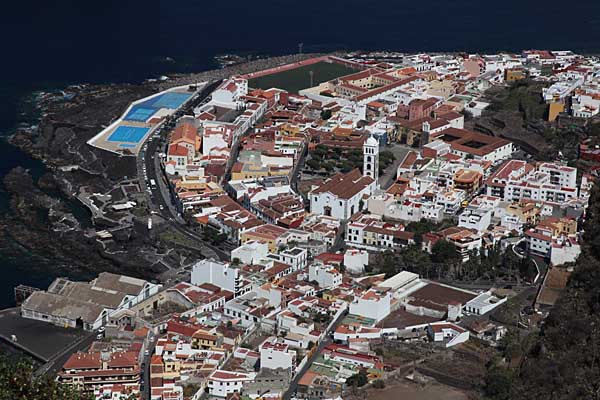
<point x="560" y="175"/>
<point x="274" y="355"/>
<point x="450" y="200"/>
<point x="219" y="274"/>
<point x="355" y="261"/>
<point x="250" y="252"/>
<point x="475" y="218"/>
<point x="447" y="332"/>
<point x="223" y="383"/>
<point x="371" y="158"/>
<point x="372" y="304"/>
<point x="341" y="209"/>
<point x="325" y="275"/>
<point x="483" y="303"/>
<point x="415" y="211"/>
<point x="296" y="257"/>
<point x="564" y="250"/>
<point x="230" y="92"/>
<point x="214" y="140"/>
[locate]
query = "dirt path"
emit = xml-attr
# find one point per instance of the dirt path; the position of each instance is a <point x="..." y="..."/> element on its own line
<point x="410" y="391"/>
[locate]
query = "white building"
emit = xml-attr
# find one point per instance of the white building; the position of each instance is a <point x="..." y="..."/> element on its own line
<point x="326" y="276"/>
<point x="408" y="210"/>
<point x="342" y="195"/>
<point x="537" y="186"/>
<point x="476" y="218"/>
<point x="87" y="305"/>
<point x="371" y="232"/>
<point x="373" y="304"/>
<point x="371" y="158"/>
<point x="446" y="332"/>
<point x="356" y="260"/>
<point x="219" y="274"/>
<point x="275" y="354"/>
<point x="483" y="303"/>
<point x="401" y="280"/>
<point x="296" y="257"/>
<point x="560" y="174"/>
<point x="223" y="383"/>
<point x="250" y="252"/>
<point x="565" y="249"/>
<point x="230" y="92"/>
<point x="450" y="199"/>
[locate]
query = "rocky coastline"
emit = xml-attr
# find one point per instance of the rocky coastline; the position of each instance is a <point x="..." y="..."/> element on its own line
<point x="40" y="220"/>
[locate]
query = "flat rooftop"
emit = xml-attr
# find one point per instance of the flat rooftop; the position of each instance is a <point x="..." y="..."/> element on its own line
<point x="39" y="337"/>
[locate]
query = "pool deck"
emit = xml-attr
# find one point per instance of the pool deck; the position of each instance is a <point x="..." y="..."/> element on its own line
<point x="156" y="118"/>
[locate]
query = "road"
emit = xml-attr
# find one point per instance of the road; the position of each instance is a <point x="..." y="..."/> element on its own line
<point x="55" y="364"/>
<point x="160" y="199"/>
<point x="389" y="175"/>
<point x="327" y="340"/>
<point x="145" y="378"/>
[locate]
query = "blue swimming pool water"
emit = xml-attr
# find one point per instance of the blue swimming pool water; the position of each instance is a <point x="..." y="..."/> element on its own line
<point x="128" y="134"/>
<point x="140" y="114"/>
<point x="170" y="100"/>
<point x="143" y="111"/>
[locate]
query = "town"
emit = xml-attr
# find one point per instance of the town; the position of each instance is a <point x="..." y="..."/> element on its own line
<point x="359" y="221"/>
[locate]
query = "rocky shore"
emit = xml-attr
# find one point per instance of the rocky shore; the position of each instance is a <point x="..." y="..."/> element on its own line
<point x="40" y="220"/>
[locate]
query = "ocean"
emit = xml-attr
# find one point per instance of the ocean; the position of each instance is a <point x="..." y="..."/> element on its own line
<point x="48" y="45"/>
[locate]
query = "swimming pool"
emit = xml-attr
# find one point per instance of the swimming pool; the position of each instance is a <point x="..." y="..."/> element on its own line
<point x="140" y="114"/>
<point x="143" y="111"/>
<point x="171" y="100"/>
<point x="128" y="134"/>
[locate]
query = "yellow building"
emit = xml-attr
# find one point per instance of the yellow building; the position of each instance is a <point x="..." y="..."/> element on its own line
<point x="514" y="74"/>
<point x="445" y="88"/>
<point x="266" y="233"/>
<point x="554" y="109"/>
<point x="242" y="171"/>
<point x="560" y="226"/>
<point x="204" y="340"/>
<point x="527" y="212"/>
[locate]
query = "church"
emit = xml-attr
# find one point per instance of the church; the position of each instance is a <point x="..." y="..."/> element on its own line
<point x="343" y="195"/>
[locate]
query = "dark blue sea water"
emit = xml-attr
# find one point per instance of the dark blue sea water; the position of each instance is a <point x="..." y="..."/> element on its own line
<point x="50" y="44"/>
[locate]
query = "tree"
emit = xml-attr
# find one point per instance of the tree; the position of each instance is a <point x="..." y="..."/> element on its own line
<point x="498" y="383"/>
<point x="314" y="164"/>
<point x="527" y="269"/>
<point x="443" y="251"/>
<point x="378" y="384"/>
<point x="17" y="381"/>
<point x="358" y="380"/>
<point x="325" y="115"/>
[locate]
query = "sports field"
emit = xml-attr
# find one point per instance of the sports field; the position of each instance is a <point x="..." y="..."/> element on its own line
<point x="128" y="134"/>
<point x="294" y="80"/>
